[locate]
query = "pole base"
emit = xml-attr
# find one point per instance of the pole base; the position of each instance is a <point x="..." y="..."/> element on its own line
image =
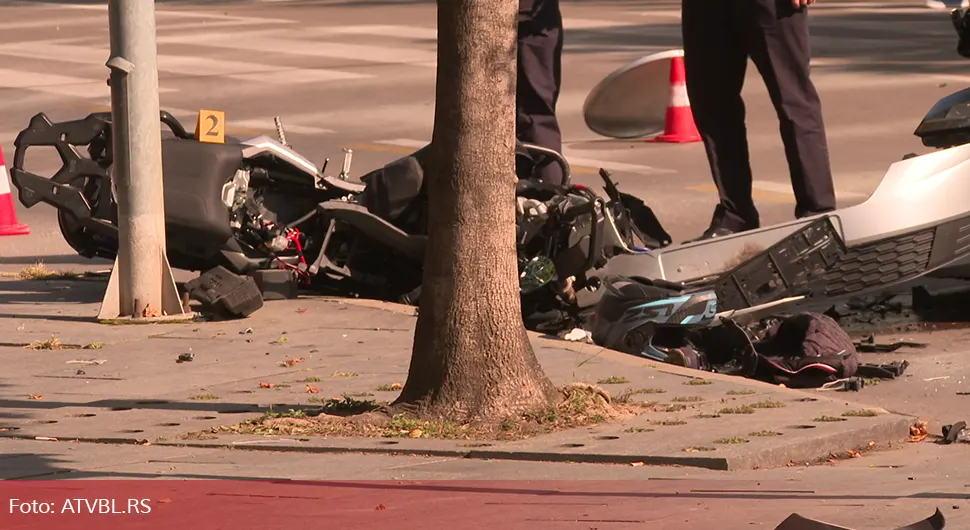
<point x="171" y="310"/>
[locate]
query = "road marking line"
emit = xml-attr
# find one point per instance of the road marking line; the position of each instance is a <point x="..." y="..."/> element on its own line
<point x="382" y="30"/>
<point x="574" y="161"/>
<point x="260" y="124"/>
<point x="254" y="126"/>
<point x="407" y="150"/>
<point x="182" y="65"/>
<point x="308" y="48"/>
<point x="206" y="25"/>
<point x="586" y="23"/>
<point x="425" y="33"/>
<point x="54" y="84"/>
<point x="48" y="23"/>
<point x="778" y="187"/>
<point x="178" y="14"/>
<point x="763" y="190"/>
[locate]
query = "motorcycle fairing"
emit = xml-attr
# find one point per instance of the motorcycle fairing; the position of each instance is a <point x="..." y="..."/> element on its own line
<point x="916" y="221"/>
<point x="270" y="148"/>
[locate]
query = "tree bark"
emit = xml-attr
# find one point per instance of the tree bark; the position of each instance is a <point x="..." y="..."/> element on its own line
<point x="472" y="359"/>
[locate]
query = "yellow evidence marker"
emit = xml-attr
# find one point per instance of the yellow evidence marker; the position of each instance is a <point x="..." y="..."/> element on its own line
<point x="211" y="127"/>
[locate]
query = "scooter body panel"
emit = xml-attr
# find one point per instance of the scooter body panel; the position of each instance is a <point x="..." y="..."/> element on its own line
<point x="918" y="195"/>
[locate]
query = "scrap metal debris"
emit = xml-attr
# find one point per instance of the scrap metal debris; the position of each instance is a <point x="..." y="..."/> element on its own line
<point x="883" y="371"/>
<point x="849" y="384"/>
<point x="869" y="345"/>
<point x="88" y="362"/>
<point x="956" y="433"/>
<point x="798" y="522"/>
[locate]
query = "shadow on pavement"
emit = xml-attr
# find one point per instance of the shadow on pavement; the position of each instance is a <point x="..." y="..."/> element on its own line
<point x="59" y="292"/>
<point x="63" y="259"/>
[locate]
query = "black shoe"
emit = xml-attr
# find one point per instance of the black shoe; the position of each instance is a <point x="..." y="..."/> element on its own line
<point x="712" y="232"/>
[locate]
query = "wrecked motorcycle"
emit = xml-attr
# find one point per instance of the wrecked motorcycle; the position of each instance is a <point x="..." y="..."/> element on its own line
<point x="257" y="207"/>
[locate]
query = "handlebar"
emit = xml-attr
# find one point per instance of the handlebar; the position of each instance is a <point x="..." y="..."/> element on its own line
<point x="175" y="125"/>
<point x="549" y="155"/>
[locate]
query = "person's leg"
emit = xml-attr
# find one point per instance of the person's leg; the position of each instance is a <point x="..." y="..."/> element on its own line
<point x="715" y="60"/>
<point x="779" y="44"/>
<point x="539" y="79"/>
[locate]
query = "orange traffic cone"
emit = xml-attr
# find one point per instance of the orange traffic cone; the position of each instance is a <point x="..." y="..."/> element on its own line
<point x="679" y="126"/>
<point x="9" y="226"/>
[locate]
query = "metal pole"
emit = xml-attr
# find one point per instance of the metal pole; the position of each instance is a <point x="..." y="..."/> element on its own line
<point x="137" y="155"/>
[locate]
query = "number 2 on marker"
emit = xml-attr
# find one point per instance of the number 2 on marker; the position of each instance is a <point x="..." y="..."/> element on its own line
<point x="211" y="127"/>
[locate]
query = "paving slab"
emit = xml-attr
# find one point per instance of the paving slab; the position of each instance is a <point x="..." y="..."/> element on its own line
<point x="133" y="390"/>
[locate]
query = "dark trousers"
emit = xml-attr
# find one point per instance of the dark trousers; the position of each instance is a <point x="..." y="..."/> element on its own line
<point x="540" y="35"/>
<point x="719" y="37"/>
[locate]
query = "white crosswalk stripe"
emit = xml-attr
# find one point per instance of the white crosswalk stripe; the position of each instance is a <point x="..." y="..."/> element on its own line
<point x="61" y="85"/>
<point x="573" y="160"/>
<point x="308" y="48"/>
<point x="179" y="64"/>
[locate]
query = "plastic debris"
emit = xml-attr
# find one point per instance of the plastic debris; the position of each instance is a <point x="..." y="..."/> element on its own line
<point x="578" y="335"/>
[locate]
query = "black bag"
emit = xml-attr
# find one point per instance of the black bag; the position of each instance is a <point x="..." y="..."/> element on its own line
<point x="805" y="350"/>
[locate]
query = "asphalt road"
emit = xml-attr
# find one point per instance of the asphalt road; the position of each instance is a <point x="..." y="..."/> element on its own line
<point x="360" y="74"/>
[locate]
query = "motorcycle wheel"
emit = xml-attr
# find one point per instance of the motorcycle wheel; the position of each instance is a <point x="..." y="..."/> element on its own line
<point x="79" y="238"/>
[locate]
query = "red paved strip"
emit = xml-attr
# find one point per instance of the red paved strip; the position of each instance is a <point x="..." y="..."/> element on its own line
<point x="466" y="505"/>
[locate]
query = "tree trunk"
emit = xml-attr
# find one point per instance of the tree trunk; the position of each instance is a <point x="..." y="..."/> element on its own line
<point x="472" y="359"/>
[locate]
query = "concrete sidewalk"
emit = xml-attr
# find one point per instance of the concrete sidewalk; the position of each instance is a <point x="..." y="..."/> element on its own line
<point x="122" y="384"/>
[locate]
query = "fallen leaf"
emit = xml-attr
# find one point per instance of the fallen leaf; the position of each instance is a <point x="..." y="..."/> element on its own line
<point x="35" y="396"/>
<point x="266" y="385"/>
<point x="381" y="507"/>
<point x="416" y="433"/>
<point x="854" y="454"/>
<point x="312" y="389"/>
<point x="918" y="432"/>
<point x="292" y="362"/>
<point x="396" y="386"/>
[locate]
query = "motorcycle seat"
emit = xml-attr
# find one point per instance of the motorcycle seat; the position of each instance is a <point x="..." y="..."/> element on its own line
<point x="376" y="228"/>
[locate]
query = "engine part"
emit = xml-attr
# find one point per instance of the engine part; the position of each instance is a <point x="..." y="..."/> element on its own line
<point x="226" y="293"/>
